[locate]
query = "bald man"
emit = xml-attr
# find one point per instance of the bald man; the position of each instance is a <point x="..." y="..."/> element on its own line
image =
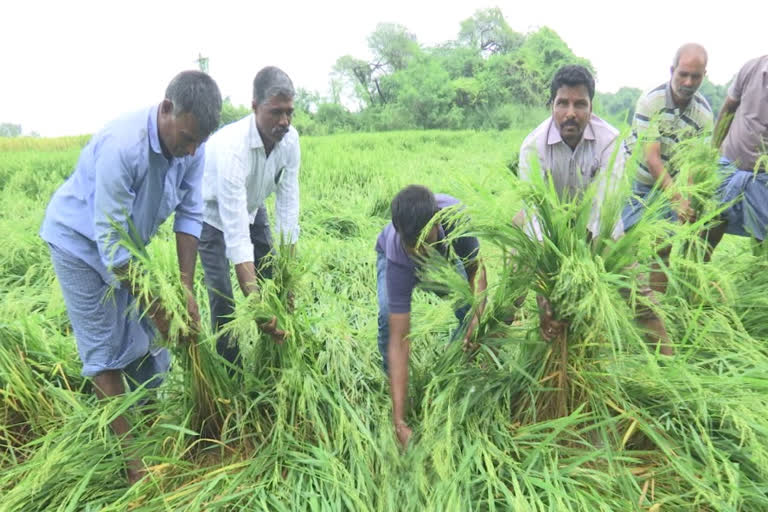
<point x="665" y="116"/>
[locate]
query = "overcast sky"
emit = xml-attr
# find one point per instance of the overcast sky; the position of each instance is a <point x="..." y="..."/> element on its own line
<point x="70" y="66"/>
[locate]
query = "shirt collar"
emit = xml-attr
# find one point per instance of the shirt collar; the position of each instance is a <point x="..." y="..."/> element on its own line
<point x="670" y="101"/>
<point x="254" y="138"/>
<point x="553" y="137"/>
<point x="154" y="137"/>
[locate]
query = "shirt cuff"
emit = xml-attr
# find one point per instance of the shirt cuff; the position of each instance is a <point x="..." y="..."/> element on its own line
<point x="240" y="253"/>
<point x="288" y="236"/>
<point x="182" y="224"/>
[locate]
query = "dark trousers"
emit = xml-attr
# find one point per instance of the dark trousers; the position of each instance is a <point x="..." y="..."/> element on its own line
<point x="217" y="276"/>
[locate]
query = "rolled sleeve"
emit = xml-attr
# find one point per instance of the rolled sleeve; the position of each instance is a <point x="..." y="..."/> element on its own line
<point x="287" y="200"/>
<point x="113" y="199"/>
<point x="189" y="212"/>
<point x="233" y="209"/>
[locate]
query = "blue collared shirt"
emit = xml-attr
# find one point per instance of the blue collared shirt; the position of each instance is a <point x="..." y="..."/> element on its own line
<point x="122" y="174"/>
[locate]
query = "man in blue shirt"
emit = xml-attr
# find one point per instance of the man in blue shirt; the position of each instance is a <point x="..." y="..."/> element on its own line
<point x="137" y="170"/>
<point x="398" y="250"/>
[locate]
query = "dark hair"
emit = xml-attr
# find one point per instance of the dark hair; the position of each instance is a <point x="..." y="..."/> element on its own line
<point x="572" y="76"/>
<point x="272" y="81"/>
<point x="196" y="93"/>
<point x="412" y="209"/>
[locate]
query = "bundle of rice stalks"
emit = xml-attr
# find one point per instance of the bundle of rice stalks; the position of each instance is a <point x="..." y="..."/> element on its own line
<point x="155" y="275"/>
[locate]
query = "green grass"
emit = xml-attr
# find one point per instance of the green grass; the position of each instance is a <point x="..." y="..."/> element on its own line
<point x="308" y="427"/>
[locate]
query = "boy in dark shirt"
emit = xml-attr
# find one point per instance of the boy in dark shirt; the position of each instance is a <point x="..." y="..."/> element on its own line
<point x="397" y="249"/>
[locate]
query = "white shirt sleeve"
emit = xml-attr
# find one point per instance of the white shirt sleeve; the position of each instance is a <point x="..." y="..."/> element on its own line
<point x="287" y="198"/>
<point x="233" y="207"/>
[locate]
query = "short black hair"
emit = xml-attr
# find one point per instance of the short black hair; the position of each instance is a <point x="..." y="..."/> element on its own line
<point x="196" y="93"/>
<point x="572" y="76"/>
<point x="412" y="209"/>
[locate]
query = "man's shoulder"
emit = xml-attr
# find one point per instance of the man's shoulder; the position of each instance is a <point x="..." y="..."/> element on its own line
<point x="758" y="63"/>
<point x="653" y="100"/>
<point x="445" y="200"/>
<point x="236" y="131"/>
<point x="292" y="137"/>
<point x="388" y="243"/>
<point x="703" y="105"/>
<point x="537" y="134"/>
<point x="603" y="128"/>
<point x="124" y="135"/>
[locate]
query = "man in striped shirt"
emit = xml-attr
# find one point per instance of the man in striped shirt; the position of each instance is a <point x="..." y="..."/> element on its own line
<point x="664" y="116"/>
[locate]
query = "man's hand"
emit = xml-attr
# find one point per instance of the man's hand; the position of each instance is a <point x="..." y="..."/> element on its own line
<point x="685" y="213"/>
<point x="548" y="326"/>
<point x="270" y="328"/>
<point x="161" y="318"/>
<point x="134" y="470"/>
<point x="193" y="312"/>
<point x="468" y="345"/>
<point x="404" y="433"/>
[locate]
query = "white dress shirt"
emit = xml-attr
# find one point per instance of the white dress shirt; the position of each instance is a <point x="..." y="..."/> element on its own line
<point x="239" y="177"/>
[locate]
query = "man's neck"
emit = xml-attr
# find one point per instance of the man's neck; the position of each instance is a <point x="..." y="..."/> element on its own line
<point x="679" y="102"/>
<point x="572" y="143"/>
<point x="268" y="145"/>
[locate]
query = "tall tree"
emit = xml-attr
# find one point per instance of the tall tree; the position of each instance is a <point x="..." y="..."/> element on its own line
<point x="393" y="47"/>
<point x="357" y="74"/>
<point x="488" y="32"/>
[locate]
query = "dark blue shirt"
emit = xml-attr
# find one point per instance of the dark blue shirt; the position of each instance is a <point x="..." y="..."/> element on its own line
<point x="122" y="174"/>
<point x="401" y="268"/>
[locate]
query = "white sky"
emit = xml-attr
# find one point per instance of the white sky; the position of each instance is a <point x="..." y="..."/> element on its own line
<point x="70" y="66"/>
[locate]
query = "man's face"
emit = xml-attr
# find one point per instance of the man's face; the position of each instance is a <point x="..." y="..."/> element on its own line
<point x="273" y="117"/>
<point x="180" y="134"/>
<point x="688" y="75"/>
<point x="421" y="249"/>
<point x="571" y="110"/>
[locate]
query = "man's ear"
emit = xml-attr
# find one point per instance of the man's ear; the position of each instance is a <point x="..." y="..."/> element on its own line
<point x="166" y="107"/>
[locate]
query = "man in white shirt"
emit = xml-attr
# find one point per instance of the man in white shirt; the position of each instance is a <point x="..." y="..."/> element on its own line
<point x="245" y="162"/>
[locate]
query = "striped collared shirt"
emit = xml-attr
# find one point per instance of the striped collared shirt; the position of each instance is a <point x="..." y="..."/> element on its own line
<point x="658" y="119"/>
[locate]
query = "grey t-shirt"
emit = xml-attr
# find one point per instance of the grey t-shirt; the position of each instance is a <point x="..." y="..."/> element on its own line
<point x="401" y="269"/>
<point x="747" y="138"/>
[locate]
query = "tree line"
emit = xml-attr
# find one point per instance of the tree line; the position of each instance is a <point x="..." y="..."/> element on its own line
<point x="489" y="78"/>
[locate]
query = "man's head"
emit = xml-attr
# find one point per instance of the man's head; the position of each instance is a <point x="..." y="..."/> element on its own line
<point x="272" y="104"/>
<point x="688" y="70"/>
<point x="412" y="209"/>
<point x="570" y="95"/>
<point x="189" y="113"/>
